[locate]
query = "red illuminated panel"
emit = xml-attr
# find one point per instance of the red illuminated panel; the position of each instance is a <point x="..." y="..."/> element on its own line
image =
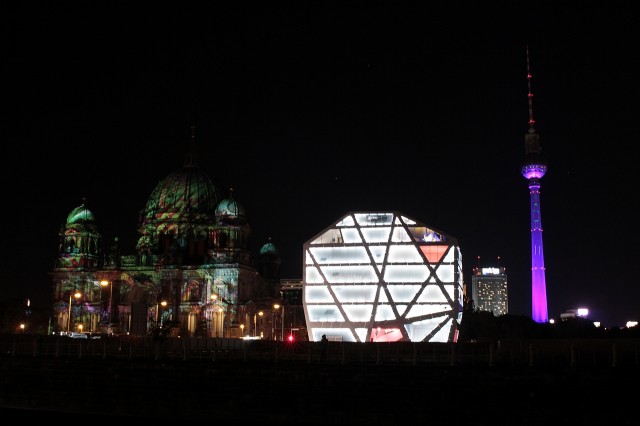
<point x="434" y="253"/>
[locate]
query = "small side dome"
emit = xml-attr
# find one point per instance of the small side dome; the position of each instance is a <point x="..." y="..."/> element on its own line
<point x="81" y="215"/>
<point x="229" y="208"/>
<point x="268" y="249"/>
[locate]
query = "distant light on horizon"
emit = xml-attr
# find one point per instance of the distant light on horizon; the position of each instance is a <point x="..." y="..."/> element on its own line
<point x="583" y="312"/>
<point x="632" y="324"/>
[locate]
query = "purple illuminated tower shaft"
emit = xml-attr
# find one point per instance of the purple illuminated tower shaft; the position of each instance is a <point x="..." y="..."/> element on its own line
<point x="533" y="169"/>
<point x="538" y="283"/>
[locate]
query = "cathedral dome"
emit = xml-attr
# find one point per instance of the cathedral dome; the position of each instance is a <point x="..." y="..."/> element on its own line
<point x="80" y="216"/>
<point x="268" y="249"/>
<point x="185" y="194"/>
<point x="185" y="199"/>
<point x="230" y="209"/>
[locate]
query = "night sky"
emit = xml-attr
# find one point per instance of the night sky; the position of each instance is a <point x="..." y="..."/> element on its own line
<point x="310" y="110"/>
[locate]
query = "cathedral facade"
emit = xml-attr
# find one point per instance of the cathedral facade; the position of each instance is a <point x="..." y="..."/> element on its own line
<point x="191" y="272"/>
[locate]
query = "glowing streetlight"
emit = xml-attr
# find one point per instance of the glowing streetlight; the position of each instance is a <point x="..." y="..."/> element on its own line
<point x="77" y="295"/>
<point x="255" y="322"/>
<point x="276" y="307"/>
<point x="163" y="304"/>
<point x="242" y="329"/>
<point x="105" y="283"/>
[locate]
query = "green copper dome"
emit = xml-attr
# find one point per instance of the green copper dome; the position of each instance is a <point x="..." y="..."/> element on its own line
<point x="230" y="208"/>
<point x="80" y="215"/>
<point x="268" y="248"/>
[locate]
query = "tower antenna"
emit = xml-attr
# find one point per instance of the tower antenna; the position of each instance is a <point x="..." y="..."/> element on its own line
<point x="191" y="158"/>
<point x="530" y="96"/>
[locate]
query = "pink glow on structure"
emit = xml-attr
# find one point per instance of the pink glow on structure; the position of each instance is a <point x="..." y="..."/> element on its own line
<point x="533" y="170"/>
<point x="385" y="335"/>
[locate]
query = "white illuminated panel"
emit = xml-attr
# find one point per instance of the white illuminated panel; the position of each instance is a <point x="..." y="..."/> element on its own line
<point x="400" y="236"/>
<point x="378" y="253"/>
<point x="358" y="313"/>
<point x="422" y="310"/>
<point x="407" y="221"/>
<point x="347" y="221"/>
<point x="446" y="273"/>
<point x="376" y="235"/>
<point x="350" y="274"/>
<point x="385" y="313"/>
<point x="432" y="294"/>
<point x="403" y="293"/>
<point x="382" y="276"/>
<point x="331" y="236"/>
<point x="324" y="255"/>
<point x="355" y="293"/>
<point x="404" y="253"/>
<point x="325" y="313"/>
<point x="312" y="275"/>
<point x="406" y="273"/>
<point x="351" y="236"/>
<point x="317" y="294"/>
<point x="373" y="219"/>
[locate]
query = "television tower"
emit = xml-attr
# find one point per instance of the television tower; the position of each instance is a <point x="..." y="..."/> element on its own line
<point x="533" y="169"/>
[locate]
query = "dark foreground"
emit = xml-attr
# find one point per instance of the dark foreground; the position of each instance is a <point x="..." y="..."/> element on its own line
<point x="315" y="393"/>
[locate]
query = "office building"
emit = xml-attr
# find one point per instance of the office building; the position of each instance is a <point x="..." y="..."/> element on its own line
<point x="489" y="290"/>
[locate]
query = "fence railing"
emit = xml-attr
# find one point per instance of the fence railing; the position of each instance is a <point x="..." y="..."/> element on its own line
<point x="566" y="352"/>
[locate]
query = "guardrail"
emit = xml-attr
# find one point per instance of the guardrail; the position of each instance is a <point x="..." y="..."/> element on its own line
<point x="577" y="352"/>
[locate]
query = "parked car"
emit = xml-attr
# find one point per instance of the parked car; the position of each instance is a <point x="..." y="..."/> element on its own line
<point x="75" y="335"/>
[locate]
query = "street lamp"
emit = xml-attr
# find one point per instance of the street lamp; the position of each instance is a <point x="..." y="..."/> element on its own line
<point x="77" y="295"/>
<point x="163" y="303"/>
<point x="105" y="283"/>
<point x="276" y="307"/>
<point x="255" y="327"/>
<point x="242" y="329"/>
<point x="273" y="325"/>
<point x="282" y="324"/>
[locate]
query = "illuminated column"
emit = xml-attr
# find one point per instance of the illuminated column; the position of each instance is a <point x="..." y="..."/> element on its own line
<point x="221" y="314"/>
<point x="538" y="281"/>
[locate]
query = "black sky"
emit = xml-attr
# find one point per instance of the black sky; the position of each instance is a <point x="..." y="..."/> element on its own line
<point x="310" y="110"/>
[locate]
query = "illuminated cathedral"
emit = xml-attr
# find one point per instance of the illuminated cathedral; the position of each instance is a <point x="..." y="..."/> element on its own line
<point x="191" y="272"/>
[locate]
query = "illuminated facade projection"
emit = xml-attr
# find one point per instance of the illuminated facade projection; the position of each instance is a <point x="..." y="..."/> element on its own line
<point x="191" y="272"/>
<point x="382" y="277"/>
